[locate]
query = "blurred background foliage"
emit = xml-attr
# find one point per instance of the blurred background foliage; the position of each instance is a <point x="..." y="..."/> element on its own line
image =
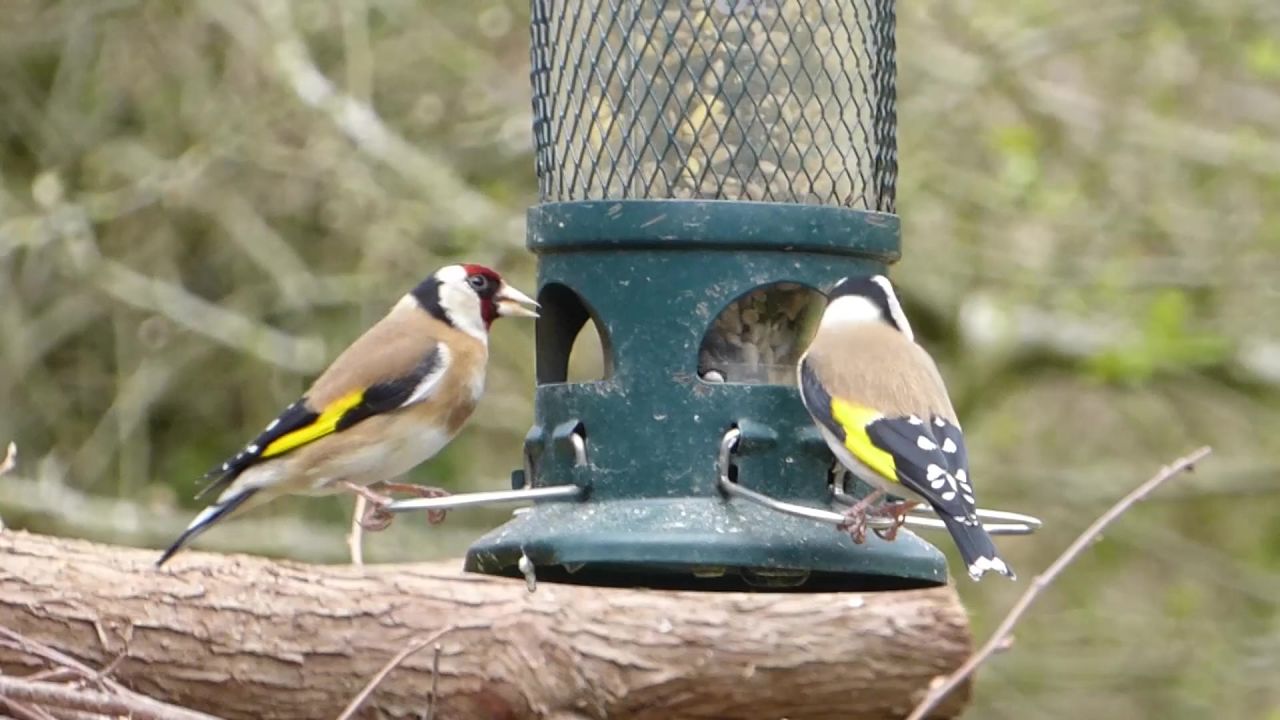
<point x="202" y="202"/>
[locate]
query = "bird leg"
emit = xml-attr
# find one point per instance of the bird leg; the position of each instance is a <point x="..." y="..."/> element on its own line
<point x="376" y="517"/>
<point x="435" y="517"/>
<point x="855" y="518"/>
<point x="355" y="537"/>
<point x="898" y="511"/>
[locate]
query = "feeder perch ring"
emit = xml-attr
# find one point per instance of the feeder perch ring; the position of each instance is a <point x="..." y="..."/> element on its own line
<point x="579" y="448"/>
<point x="922" y="516"/>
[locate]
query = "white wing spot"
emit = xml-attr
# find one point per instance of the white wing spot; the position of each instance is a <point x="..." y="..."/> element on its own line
<point x="958" y="518"/>
<point x="949" y="495"/>
<point x="962" y="476"/>
<point x="253" y="448"/>
<point x="924" y="443"/>
<point x="968" y="498"/>
<point x="983" y="564"/>
<point x="272" y="425"/>
<point x="948" y="446"/>
<point x="966" y="487"/>
<point x="915" y="420"/>
<point x="939" y="422"/>
<point x="933" y="472"/>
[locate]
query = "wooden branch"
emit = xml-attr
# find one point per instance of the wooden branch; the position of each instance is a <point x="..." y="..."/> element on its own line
<point x="1002" y="636"/>
<point x="243" y="637"/>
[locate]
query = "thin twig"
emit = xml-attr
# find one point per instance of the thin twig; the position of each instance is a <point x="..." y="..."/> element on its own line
<point x="435" y="683"/>
<point x="57" y="674"/>
<point x="355" y="538"/>
<point x="126" y="703"/>
<point x="21" y="711"/>
<point x="10" y="460"/>
<point x="25" y="644"/>
<point x="1000" y="637"/>
<point x="413" y="647"/>
<point x="110" y="668"/>
<point x="69" y="714"/>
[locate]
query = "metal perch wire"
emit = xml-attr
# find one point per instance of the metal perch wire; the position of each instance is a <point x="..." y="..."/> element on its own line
<point x="996" y="522"/>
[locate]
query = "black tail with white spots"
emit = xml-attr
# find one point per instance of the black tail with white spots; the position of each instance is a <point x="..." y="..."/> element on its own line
<point x="207" y="517"/>
<point x="976" y="549"/>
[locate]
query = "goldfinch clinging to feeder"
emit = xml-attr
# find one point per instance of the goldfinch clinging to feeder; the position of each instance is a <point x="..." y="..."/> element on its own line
<point x="880" y="402"/>
<point x="389" y="402"/>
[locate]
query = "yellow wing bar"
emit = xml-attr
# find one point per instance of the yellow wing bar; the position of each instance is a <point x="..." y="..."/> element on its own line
<point x="854" y="419"/>
<point x="323" y="425"/>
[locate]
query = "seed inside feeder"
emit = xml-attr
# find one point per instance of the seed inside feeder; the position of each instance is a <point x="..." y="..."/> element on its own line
<point x="759" y="338"/>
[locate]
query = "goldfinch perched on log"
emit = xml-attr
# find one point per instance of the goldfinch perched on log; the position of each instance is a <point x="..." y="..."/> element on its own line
<point x="389" y="402"/>
<point x="882" y="407"/>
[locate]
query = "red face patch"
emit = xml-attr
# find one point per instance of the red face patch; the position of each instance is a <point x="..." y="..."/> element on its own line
<point x="473" y="270"/>
<point x="485" y="283"/>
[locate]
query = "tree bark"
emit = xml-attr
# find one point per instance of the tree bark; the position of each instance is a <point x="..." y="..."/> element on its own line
<point x="243" y="637"/>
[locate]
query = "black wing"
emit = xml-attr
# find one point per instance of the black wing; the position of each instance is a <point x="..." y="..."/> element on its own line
<point x="391" y="394"/>
<point x="930" y="459"/>
<point x="374" y="400"/>
<point x="296" y="416"/>
<point x="818" y="401"/>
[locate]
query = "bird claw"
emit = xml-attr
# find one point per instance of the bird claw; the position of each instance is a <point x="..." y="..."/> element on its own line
<point x="855" y="526"/>
<point x="855" y="518"/>
<point x="376" y="518"/>
<point x="898" y="511"/>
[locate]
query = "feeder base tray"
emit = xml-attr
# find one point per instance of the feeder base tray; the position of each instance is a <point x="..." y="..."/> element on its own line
<point x="699" y="544"/>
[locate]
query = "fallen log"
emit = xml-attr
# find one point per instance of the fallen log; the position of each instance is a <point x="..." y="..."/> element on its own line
<point x="244" y="637"/>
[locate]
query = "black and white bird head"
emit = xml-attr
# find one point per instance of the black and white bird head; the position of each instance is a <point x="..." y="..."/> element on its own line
<point x="470" y="297"/>
<point x="866" y="299"/>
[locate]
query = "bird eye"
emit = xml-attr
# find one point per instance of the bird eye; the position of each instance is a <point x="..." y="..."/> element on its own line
<point x="479" y="282"/>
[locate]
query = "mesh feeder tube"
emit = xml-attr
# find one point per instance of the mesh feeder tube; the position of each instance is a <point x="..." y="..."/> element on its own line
<point x="705" y="169"/>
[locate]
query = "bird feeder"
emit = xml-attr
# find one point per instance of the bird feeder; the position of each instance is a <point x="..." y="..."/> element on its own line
<point x="706" y="168"/>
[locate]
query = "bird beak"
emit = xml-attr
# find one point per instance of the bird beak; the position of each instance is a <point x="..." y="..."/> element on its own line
<point x="513" y="303"/>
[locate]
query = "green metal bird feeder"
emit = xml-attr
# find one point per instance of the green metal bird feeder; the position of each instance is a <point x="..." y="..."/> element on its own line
<point x="705" y="167"/>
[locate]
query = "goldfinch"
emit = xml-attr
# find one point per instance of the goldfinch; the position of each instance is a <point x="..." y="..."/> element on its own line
<point x="389" y="402"/>
<point x="881" y="405"/>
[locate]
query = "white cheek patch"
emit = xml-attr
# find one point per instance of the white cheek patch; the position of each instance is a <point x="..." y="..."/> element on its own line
<point x="463" y="308"/>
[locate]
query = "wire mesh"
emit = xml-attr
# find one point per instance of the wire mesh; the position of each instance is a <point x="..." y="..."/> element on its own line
<point x="773" y="100"/>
